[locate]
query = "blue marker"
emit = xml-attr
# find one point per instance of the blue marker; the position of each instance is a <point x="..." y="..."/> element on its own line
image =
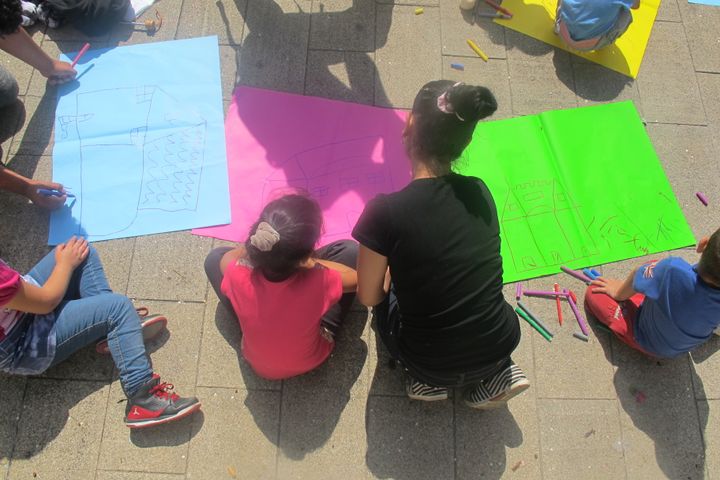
<point x="457" y="66"/>
<point x="588" y="273"/>
<point x="595" y="272"/>
<point x="48" y="192"/>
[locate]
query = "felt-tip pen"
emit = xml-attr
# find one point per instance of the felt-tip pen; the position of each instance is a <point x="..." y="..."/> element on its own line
<point x="51" y="192"/>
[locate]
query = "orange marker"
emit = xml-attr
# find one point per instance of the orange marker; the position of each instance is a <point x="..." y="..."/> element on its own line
<point x="556" y="288"/>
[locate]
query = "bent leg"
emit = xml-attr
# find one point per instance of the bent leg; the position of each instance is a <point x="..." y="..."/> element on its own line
<point x="87" y="280"/>
<point x="86" y="320"/>
<point x="344" y="252"/>
<point x="619" y="317"/>
<point x="215" y="276"/>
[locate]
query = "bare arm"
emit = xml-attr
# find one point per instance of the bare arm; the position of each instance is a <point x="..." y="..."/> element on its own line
<point x="373" y="279"/>
<point x="348" y="275"/>
<point x="16" y="183"/>
<point x="42" y="300"/>
<point x="616" y="289"/>
<point x="20" y="45"/>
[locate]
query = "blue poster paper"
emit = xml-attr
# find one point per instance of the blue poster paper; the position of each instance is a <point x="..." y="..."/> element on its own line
<point x="715" y="3"/>
<point x="140" y="141"/>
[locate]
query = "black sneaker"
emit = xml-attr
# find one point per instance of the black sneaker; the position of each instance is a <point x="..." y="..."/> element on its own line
<point x="497" y="390"/>
<point x="155" y="404"/>
<point x="417" y="390"/>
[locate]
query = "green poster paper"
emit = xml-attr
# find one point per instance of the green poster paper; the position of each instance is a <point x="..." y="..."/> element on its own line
<point x="575" y="187"/>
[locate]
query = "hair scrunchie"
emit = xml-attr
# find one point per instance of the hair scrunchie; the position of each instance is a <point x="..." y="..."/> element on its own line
<point x="444" y="104"/>
<point x="265" y="237"/>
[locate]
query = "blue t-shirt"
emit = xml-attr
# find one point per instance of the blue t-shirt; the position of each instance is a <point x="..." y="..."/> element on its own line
<point x="680" y="310"/>
<point x="587" y="19"/>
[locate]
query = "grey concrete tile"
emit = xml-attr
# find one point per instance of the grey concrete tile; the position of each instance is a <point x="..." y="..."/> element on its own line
<point x="710" y="93"/>
<point x="661" y="434"/>
<point x="556" y="368"/>
<point x="386" y="378"/>
<point x="221" y="360"/>
<point x="704" y="365"/>
<point x="158" y="272"/>
<point x="458" y="25"/>
<point x="20" y="70"/>
<point x="275" y="42"/>
<point x="597" y="84"/>
<point x="12" y="390"/>
<point x="410" y="57"/>
<point x="711" y="411"/>
<point x="238" y="437"/>
<point x="85" y="364"/>
<point x="223" y="18"/>
<point x="556" y="81"/>
<point x="342" y="371"/>
<point x="229" y="62"/>
<point x="703" y="37"/>
<point x="668" y="12"/>
<point x="36" y="135"/>
<point x="63" y="442"/>
<point x="116" y="256"/>
<point x="161" y="449"/>
<point x="510" y="445"/>
<point x="521" y="47"/>
<point x="318" y="427"/>
<point x="409" y="2"/>
<point x="343" y="25"/>
<point x="684" y="151"/>
<point x="669" y="90"/>
<point x="131" y="35"/>
<point x="581" y="439"/>
<point x="346" y="76"/>
<point x="114" y="475"/>
<point x="401" y="434"/>
<point x="493" y="75"/>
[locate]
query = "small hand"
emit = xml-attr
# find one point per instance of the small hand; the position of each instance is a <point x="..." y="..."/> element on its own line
<point x="59" y="72"/>
<point x="609" y="286"/>
<point x="72" y="253"/>
<point x="49" y="202"/>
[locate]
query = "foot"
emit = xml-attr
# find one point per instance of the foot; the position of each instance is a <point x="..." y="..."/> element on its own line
<point x="422" y="391"/>
<point x="155" y="404"/>
<point x="497" y="390"/>
<point x="152" y="326"/>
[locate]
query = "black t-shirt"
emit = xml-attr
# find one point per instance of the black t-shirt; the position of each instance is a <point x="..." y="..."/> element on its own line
<point x="442" y="240"/>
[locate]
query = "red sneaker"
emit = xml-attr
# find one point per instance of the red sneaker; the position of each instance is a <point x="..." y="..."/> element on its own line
<point x="154" y="404"/>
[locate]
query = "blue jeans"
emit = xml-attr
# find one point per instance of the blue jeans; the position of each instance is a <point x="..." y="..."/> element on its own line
<point x="90" y="311"/>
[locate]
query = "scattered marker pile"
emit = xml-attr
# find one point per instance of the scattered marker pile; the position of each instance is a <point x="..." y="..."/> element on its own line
<point x="586" y="276"/>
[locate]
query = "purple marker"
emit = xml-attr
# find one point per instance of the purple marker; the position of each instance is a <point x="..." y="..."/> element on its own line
<point x="702" y="198"/>
<point x="543" y="293"/>
<point x="518" y="291"/>
<point x="575" y="274"/>
<point x="578" y="316"/>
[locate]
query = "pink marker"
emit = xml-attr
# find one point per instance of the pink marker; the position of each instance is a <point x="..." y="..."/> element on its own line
<point x="543" y="293"/>
<point x="575" y="274"/>
<point x="702" y="198"/>
<point x="518" y="291"/>
<point x="82" y="51"/>
<point x="578" y="316"/>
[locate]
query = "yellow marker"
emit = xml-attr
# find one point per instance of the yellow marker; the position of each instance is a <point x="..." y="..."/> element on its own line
<point x="419" y="11"/>
<point x="477" y="50"/>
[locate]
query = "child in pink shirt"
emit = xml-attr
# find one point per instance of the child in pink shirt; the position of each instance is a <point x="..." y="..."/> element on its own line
<point x="289" y="299"/>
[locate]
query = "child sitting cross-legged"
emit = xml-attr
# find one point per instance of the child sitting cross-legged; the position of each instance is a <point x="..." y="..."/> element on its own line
<point x="663" y="308"/>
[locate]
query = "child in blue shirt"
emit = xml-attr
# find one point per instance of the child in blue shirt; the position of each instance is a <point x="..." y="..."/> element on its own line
<point x="663" y="308"/>
<point x="587" y="25"/>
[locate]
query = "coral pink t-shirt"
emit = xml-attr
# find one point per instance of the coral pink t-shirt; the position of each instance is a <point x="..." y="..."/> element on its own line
<point x="280" y="321"/>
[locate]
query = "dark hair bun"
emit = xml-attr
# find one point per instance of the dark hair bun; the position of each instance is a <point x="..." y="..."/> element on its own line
<point x="472" y="103"/>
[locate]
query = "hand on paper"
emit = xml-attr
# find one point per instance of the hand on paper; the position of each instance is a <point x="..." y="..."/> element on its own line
<point x="48" y="202"/>
<point x="72" y="253"/>
<point x="618" y="290"/>
<point x="59" y="72"/>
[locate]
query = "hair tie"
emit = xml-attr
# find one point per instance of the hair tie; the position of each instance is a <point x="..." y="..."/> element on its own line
<point x="265" y="237"/>
<point x="445" y="106"/>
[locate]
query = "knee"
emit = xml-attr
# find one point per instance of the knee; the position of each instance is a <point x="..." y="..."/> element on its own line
<point x="212" y="261"/>
<point x="348" y="251"/>
<point x="8" y="90"/>
<point x="120" y="307"/>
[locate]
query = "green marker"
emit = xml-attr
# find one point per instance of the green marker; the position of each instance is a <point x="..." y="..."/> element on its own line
<point x="532" y="323"/>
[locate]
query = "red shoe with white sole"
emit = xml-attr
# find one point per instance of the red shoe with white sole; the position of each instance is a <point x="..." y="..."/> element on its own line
<point x="152" y="326"/>
<point x="155" y="404"/>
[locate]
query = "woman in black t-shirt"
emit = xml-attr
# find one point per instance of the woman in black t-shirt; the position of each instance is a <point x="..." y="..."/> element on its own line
<point x="444" y="318"/>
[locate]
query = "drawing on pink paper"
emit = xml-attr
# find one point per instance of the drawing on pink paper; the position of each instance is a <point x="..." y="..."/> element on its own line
<point x="342" y="154"/>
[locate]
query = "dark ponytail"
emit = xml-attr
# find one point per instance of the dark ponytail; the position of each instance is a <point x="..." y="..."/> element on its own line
<point x="444" y="118"/>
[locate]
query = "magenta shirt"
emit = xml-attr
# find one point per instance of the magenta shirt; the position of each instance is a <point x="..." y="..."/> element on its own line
<point x="9" y="286"/>
<point x="280" y="321"/>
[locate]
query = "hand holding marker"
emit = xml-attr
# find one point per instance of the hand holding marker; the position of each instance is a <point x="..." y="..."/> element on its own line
<point x="48" y="192"/>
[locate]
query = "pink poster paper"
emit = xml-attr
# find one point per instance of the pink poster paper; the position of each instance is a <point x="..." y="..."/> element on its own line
<point x="342" y="154"/>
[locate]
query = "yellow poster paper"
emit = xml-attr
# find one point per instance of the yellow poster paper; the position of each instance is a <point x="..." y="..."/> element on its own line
<point x="536" y="18"/>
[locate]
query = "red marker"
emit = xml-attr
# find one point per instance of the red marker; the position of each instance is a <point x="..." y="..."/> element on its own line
<point x="499" y="8"/>
<point x="556" y="287"/>
<point x="82" y="51"/>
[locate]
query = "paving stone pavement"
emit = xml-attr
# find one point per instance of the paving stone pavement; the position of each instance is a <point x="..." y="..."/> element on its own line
<point x="350" y="419"/>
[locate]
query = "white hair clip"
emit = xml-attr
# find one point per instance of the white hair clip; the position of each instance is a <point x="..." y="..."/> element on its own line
<point x="445" y="106"/>
<point x="265" y="237"/>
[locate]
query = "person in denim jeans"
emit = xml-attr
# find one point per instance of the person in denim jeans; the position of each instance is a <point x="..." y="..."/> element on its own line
<point x="587" y="25"/>
<point x="65" y="303"/>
